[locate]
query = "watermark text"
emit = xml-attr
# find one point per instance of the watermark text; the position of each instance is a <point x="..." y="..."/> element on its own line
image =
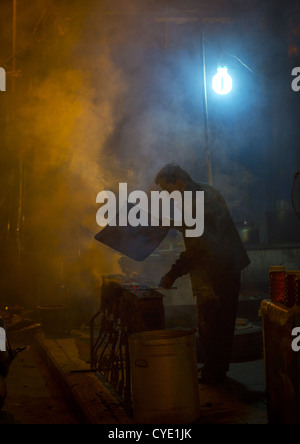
<point x="296" y="341"/>
<point x="2" y="340"/>
<point x="165" y="209"/>
<point x="2" y="79"/>
<point x="296" y="80"/>
<point x="179" y="434"/>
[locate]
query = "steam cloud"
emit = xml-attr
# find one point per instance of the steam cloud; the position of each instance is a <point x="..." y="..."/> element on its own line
<point x="98" y="101"/>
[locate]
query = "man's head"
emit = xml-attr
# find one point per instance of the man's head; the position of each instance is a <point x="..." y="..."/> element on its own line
<point x="172" y="178"/>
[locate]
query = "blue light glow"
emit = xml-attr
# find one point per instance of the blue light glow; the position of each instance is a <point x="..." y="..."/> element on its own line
<point x="222" y="82"/>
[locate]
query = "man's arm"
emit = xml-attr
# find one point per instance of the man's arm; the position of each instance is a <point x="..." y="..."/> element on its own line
<point x="181" y="267"/>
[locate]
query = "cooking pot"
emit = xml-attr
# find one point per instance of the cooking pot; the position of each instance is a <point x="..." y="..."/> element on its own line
<point x="248" y="232"/>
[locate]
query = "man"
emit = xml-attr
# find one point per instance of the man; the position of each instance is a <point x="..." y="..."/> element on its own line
<point x="214" y="261"/>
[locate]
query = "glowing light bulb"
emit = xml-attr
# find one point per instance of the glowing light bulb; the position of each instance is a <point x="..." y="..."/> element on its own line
<point x="222" y="82"/>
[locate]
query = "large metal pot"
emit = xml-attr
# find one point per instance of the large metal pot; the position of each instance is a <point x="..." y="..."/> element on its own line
<point x="164" y="377"/>
<point x="248" y="232"/>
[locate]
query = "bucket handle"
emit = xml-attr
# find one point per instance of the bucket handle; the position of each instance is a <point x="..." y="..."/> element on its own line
<point x="141" y="363"/>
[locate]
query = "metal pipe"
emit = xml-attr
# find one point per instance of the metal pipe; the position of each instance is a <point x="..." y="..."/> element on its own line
<point x="14" y="44"/>
<point x="206" y="129"/>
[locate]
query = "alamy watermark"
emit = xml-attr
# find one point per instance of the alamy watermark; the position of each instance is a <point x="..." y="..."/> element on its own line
<point x="296" y="80"/>
<point x="296" y="341"/>
<point x="161" y="208"/>
<point x="2" y="79"/>
<point x="2" y="340"/>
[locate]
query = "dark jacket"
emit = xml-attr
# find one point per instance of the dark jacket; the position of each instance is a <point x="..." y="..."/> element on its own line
<point x="219" y="249"/>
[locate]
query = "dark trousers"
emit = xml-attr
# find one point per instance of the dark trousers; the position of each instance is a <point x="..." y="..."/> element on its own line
<point x="217" y="312"/>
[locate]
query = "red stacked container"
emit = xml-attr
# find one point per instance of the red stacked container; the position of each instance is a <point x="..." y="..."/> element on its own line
<point x="277" y="284"/>
<point x="291" y="287"/>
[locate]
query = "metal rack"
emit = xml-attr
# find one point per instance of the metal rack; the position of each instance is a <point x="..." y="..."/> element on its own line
<point x="126" y="308"/>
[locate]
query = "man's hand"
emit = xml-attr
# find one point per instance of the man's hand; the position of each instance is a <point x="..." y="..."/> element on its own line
<point x="166" y="282"/>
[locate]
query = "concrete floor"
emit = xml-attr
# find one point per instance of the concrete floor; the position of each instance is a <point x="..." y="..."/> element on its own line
<point x="35" y="394"/>
<point x="240" y="400"/>
<point x="249" y="380"/>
